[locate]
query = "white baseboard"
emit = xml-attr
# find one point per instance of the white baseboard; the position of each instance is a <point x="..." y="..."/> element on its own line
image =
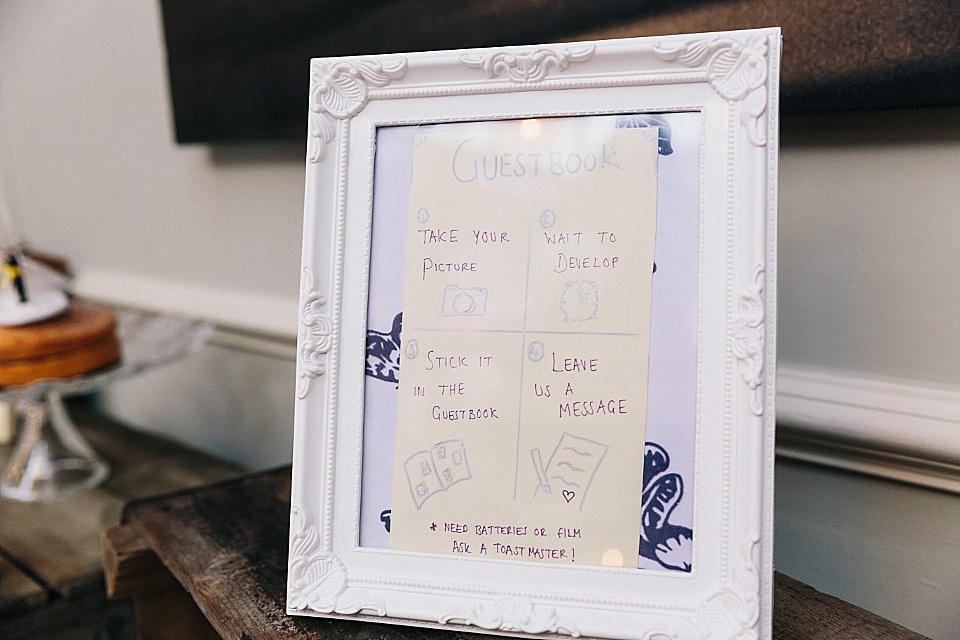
<point x="264" y="315"/>
<point x="907" y="431"/>
<point x="283" y="348"/>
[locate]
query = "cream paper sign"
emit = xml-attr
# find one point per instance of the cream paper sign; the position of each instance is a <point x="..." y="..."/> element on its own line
<point x="526" y="322"/>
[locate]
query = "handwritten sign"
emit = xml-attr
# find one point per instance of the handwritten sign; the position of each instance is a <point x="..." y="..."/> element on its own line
<point x="525" y="339"/>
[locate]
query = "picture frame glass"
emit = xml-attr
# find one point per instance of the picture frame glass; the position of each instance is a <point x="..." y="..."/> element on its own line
<point x="570" y="248"/>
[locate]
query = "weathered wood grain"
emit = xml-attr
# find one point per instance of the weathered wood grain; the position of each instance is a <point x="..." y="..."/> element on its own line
<point x="800" y="612"/>
<point x="227" y="545"/>
<point x="164" y="610"/>
<point x="170" y="614"/>
<point x="59" y="539"/>
<point x="130" y="566"/>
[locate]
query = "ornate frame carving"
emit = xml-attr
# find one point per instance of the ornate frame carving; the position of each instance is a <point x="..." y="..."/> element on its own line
<point x="732" y="80"/>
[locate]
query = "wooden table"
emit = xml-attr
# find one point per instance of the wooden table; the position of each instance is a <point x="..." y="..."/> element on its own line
<point x="212" y="563"/>
<point x="51" y="560"/>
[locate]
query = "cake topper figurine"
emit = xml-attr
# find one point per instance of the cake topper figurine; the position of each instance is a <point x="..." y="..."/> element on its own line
<point x="13" y="273"/>
<point x="29" y="290"/>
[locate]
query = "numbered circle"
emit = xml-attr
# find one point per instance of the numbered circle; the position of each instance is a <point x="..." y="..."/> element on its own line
<point x="548" y="218"/>
<point x="535" y="351"/>
<point x="411" y="350"/>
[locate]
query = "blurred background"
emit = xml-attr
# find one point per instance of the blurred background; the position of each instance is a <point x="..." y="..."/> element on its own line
<point x="160" y="147"/>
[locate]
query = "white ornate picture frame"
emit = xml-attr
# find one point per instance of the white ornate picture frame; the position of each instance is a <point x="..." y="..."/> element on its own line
<point x="726" y="84"/>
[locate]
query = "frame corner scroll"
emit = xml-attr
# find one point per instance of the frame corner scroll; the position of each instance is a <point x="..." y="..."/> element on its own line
<point x="734" y="612"/>
<point x="318" y="579"/>
<point x="339" y="91"/>
<point x="736" y="69"/>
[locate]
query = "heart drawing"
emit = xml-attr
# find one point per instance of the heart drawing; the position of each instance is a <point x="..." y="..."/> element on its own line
<point x="568" y="495"/>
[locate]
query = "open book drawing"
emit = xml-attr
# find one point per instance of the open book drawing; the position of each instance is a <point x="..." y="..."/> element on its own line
<point x="436" y="470"/>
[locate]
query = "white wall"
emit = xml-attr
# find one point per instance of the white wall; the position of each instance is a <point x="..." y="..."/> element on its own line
<point x="868" y="304"/>
<point x="88" y="160"/>
<point x="869" y="229"/>
<point x="88" y="146"/>
<point x="889" y="547"/>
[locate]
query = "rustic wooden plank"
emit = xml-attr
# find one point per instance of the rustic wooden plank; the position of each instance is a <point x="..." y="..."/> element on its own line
<point x="227" y="544"/>
<point x="170" y="614"/>
<point x="18" y="591"/>
<point x="130" y="566"/>
<point x="800" y="612"/>
<point x="163" y="609"/>
<point x="60" y="539"/>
